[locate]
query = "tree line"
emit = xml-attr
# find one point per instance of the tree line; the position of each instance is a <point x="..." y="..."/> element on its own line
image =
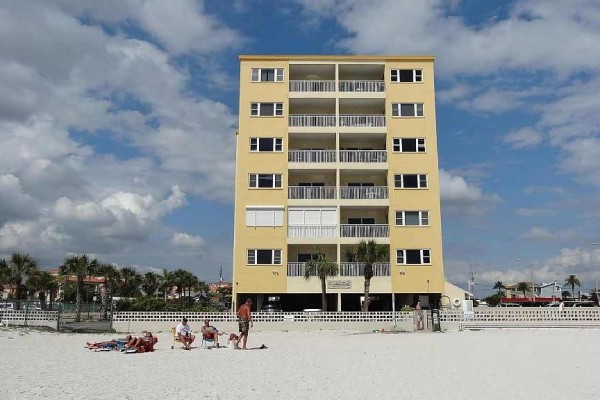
<point x="570" y="280"/>
<point x="21" y="271"/>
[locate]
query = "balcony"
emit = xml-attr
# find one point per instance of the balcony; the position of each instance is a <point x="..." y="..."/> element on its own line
<point x="311" y="156"/>
<point x="363" y="156"/>
<point x="311" y="192"/>
<point x="363" y="192"/>
<point x="312" y="86"/>
<point x="362" y="121"/>
<point x="362" y="86"/>
<point x="365" y="231"/>
<point x="312" y="231"/>
<point x="296" y="269"/>
<point x="358" y="269"/>
<point x="313" y="120"/>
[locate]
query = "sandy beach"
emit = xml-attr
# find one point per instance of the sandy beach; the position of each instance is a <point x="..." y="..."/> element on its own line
<point x="491" y="364"/>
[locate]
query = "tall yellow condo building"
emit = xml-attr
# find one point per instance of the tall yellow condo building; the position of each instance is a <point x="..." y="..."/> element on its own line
<point x="331" y="151"/>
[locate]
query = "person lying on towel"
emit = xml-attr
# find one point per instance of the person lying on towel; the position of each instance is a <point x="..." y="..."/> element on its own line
<point x="115" y="344"/>
<point x="143" y="344"/>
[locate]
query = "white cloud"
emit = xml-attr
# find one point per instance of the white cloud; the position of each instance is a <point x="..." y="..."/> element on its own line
<point x="460" y="197"/>
<point x="65" y="85"/>
<point x="182" y="26"/>
<point x="523" y="138"/>
<point x="182" y="239"/>
<point x="527" y="38"/>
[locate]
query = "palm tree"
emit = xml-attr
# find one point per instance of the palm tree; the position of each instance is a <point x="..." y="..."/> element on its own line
<point x="500" y="286"/>
<point x="112" y="278"/>
<point x="20" y="267"/>
<point x="150" y="283"/>
<point x="572" y="281"/>
<point x="166" y="282"/>
<point x="523" y="287"/>
<point x="130" y="282"/>
<point x="3" y="273"/>
<point x="180" y="279"/>
<point x="322" y="268"/>
<point x="368" y="253"/>
<point x="81" y="266"/>
<point x="43" y="282"/>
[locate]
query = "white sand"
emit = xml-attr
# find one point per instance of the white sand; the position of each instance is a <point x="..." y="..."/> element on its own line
<point x="492" y="364"/>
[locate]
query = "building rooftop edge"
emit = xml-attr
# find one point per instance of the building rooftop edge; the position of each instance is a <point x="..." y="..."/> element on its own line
<point x="308" y="57"/>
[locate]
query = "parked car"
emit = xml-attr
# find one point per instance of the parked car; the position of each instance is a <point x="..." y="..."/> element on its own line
<point x="6" y="306"/>
<point x="273" y="304"/>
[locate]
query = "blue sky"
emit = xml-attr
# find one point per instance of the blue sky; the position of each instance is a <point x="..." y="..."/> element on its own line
<point x="117" y="123"/>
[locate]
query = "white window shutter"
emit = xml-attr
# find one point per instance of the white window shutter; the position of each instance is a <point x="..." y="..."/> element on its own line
<point x="295" y="217"/>
<point x="278" y="217"/>
<point x="255" y="74"/>
<point x="329" y="216"/>
<point x="265" y="217"/>
<point x="312" y="217"/>
<point x="250" y="217"/>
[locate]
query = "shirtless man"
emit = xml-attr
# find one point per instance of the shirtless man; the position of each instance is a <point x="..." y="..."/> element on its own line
<point x="245" y="316"/>
<point x="210" y="332"/>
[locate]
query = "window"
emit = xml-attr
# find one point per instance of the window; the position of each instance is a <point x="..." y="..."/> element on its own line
<point x="407" y="75"/>
<point x="412" y="218"/>
<point x="407" y="109"/>
<point x="264" y="216"/>
<point x="267" y="74"/>
<point x="410" y="181"/>
<point x="264" y="257"/>
<point x="265" y="180"/>
<point x="304" y="257"/>
<point x="361" y="221"/>
<point x="413" y="256"/>
<point x="412" y="145"/>
<point x="266" y="144"/>
<point x="266" y="109"/>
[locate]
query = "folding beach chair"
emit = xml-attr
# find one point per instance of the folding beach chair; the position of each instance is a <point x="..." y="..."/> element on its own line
<point x="175" y="337"/>
<point x="206" y="341"/>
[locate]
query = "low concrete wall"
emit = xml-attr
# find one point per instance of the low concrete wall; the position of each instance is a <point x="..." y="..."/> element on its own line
<point x="227" y="322"/>
<point x="29" y="318"/>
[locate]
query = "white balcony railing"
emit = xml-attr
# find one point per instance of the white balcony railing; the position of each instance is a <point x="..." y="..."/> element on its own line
<point x="365" y="231"/>
<point x="363" y="156"/>
<point x="363" y="192"/>
<point x="297" y="269"/>
<point x="363" y="121"/>
<point x="312" y="231"/>
<point x="362" y="86"/>
<point x="312" y="120"/>
<point x="311" y="192"/>
<point x="358" y="269"/>
<point x="312" y="86"/>
<point x="311" y="156"/>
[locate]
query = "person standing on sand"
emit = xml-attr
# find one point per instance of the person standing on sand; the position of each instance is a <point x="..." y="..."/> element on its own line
<point x="561" y="305"/>
<point x="245" y="315"/>
<point x="419" y="315"/>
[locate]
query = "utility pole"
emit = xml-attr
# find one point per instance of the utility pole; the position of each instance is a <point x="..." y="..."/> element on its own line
<point x="471" y="282"/>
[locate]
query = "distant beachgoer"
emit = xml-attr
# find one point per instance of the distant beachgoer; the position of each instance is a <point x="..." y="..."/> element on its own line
<point x="184" y="332"/>
<point x="233" y="339"/>
<point x="210" y="332"/>
<point x="561" y="305"/>
<point x="245" y="322"/>
<point x="144" y="344"/>
<point x="115" y="344"/>
<point x="419" y="315"/>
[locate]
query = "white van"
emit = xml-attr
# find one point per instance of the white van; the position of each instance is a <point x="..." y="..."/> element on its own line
<point x="7" y="306"/>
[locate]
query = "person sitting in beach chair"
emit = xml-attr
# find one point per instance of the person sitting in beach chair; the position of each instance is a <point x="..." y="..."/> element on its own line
<point x="210" y="334"/>
<point x="184" y="334"/>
